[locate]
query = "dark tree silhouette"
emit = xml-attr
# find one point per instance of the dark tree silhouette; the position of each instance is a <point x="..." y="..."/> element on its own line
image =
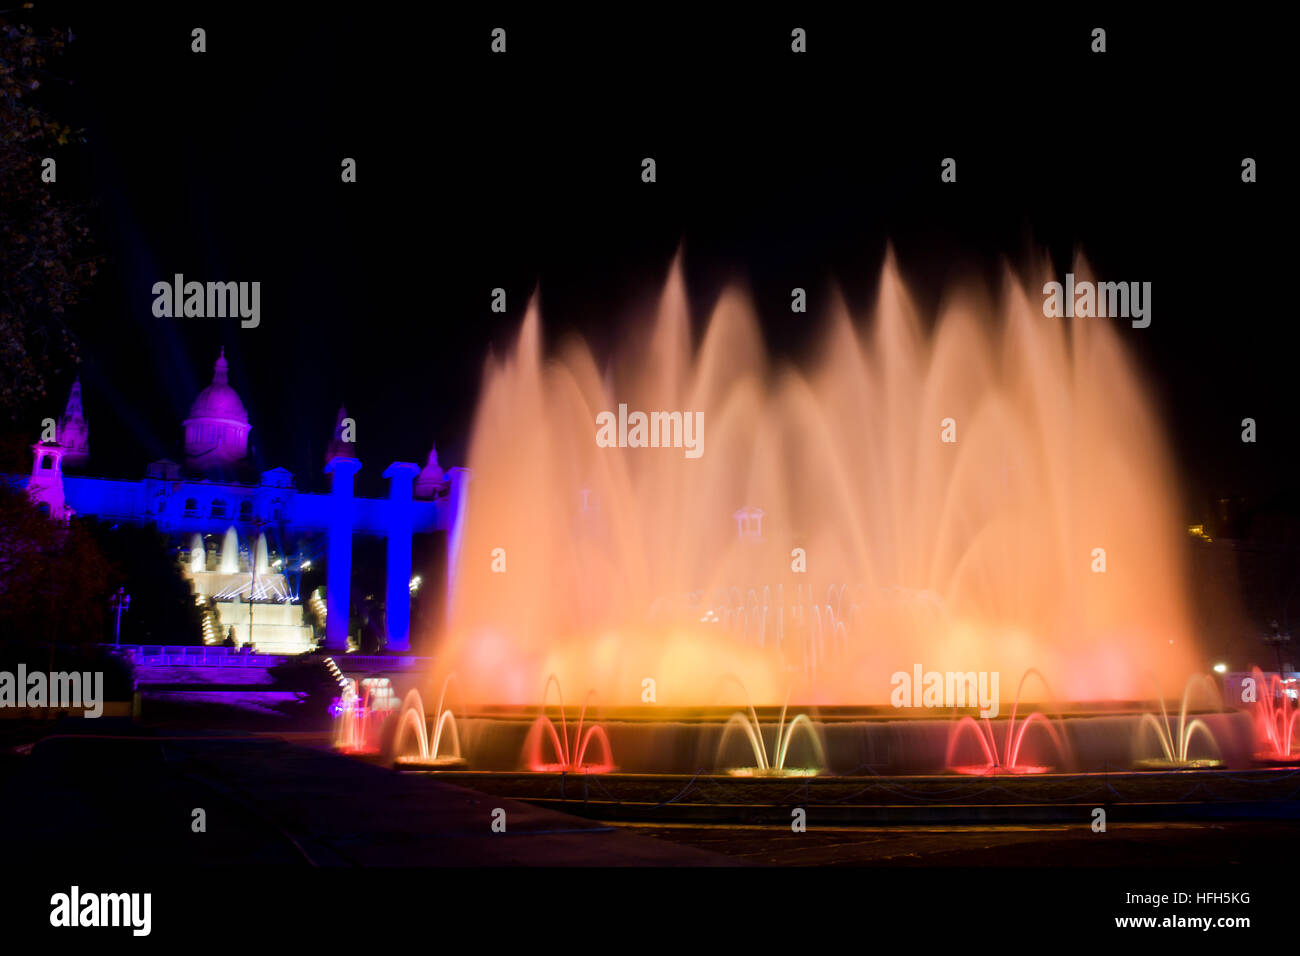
<point x="163" y="609"/>
<point x="54" y="579"/>
<point x="45" y="260"/>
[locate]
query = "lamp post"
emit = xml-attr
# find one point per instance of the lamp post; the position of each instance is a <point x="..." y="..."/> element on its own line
<point x="119" y="602"/>
<point x="1277" y="639"/>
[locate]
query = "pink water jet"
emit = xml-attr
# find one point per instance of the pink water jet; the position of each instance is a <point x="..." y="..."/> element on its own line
<point x="630" y="564"/>
<point x="1275" y="719"/>
<point x="569" y="757"/>
<point x="358" y="713"/>
<point x="1010" y="761"/>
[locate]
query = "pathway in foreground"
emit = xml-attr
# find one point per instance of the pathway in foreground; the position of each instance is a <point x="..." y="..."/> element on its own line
<point x="130" y="799"/>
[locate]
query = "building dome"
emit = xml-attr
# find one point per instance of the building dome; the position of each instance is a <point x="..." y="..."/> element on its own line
<point x="216" y="433"/>
<point x="432" y="480"/>
<point x="219" y="400"/>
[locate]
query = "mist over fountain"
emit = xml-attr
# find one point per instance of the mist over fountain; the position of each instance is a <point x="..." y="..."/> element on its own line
<point x="622" y="565"/>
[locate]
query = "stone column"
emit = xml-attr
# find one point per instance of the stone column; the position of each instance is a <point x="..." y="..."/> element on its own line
<point x="400" y="475"/>
<point x="338" y="583"/>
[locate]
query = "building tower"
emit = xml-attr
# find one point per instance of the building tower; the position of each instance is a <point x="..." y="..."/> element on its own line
<point x="74" y="430"/>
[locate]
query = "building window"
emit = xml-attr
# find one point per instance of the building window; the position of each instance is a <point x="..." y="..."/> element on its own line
<point x="191" y="507"/>
<point x="218" y="508"/>
<point x="47" y="462"/>
<point x="245" y="511"/>
<point x="277" y="509"/>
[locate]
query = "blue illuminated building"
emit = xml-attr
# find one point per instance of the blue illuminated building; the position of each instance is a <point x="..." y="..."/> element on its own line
<point x="217" y="517"/>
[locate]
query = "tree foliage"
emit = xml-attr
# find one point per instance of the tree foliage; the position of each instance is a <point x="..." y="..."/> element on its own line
<point x="46" y="265"/>
<point x="163" y="609"/>
<point x="54" y="579"/>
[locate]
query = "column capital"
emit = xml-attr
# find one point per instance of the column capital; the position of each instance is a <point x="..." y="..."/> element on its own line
<point x="401" y="468"/>
<point x="344" y="466"/>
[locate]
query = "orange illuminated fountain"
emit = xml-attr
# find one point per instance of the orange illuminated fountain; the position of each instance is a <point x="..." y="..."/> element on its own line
<point x="987" y="491"/>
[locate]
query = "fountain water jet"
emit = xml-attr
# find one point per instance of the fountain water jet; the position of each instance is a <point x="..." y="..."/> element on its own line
<point x="352" y="712"/>
<point x="413" y="719"/>
<point x="1275" y="722"/>
<point x="230" y="552"/>
<point x="780" y="745"/>
<point x="568" y="759"/>
<point x="1010" y="762"/>
<point x="960" y="552"/>
<point x="1177" y="750"/>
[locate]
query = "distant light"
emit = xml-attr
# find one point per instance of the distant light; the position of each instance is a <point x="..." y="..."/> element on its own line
<point x="1220" y="668"/>
<point x="306" y="565"/>
<point x="415" y="583"/>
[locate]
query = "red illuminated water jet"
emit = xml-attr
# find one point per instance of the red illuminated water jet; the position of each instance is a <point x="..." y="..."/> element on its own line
<point x="1010" y="762"/>
<point x="570" y="756"/>
<point x="1275" y="719"/>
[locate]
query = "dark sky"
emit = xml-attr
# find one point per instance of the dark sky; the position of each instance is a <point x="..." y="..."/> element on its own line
<point x="522" y="171"/>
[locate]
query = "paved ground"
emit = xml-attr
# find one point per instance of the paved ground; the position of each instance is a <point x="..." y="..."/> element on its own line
<point x="273" y="801"/>
<point x="274" y="795"/>
<point x="1245" y="845"/>
<point x="111" y="798"/>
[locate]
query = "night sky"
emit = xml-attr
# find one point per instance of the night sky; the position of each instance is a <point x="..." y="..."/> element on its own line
<point x="523" y="171"/>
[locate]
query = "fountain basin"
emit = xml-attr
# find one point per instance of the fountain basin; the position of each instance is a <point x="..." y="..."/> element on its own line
<point x="772" y="772"/>
<point x="412" y="762"/>
<point x="982" y="770"/>
<point x="645" y="743"/>
<point x="1161" y="763"/>
<point x="1276" y="760"/>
